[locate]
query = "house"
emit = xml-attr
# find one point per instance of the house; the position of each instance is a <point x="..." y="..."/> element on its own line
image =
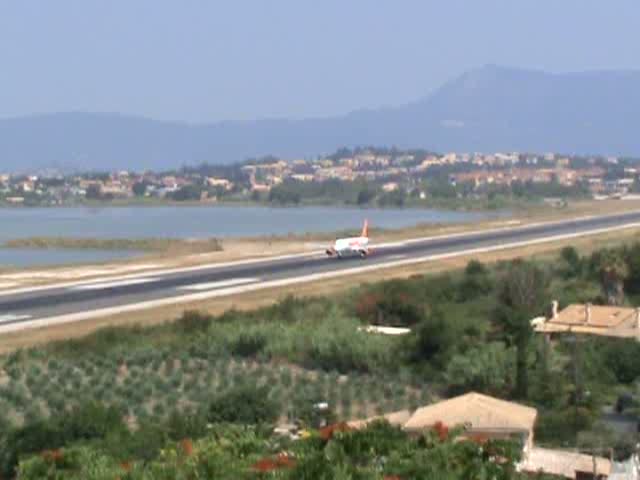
<point x="608" y="321"/>
<point x="220" y="182"/>
<point x="260" y="187"/>
<point x="302" y="177"/>
<point x="486" y="418"/>
<point x="618" y="186"/>
<point x="482" y="417"/>
<point x="627" y="470"/>
<point x="565" y="464"/>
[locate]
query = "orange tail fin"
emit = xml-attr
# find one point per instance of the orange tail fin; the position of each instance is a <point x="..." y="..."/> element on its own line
<point x="365" y="229"/>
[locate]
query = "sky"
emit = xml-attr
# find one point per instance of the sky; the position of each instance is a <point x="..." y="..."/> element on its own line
<point x="204" y="61"/>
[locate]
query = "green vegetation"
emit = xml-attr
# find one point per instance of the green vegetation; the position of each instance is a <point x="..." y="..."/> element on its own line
<point x="434" y="191"/>
<point x="470" y="331"/>
<point x="232" y="452"/>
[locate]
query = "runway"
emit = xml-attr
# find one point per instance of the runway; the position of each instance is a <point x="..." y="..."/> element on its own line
<point x="42" y="306"/>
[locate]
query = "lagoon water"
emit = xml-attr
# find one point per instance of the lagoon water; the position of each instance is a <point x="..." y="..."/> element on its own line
<point x="190" y="222"/>
<point x="28" y="257"/>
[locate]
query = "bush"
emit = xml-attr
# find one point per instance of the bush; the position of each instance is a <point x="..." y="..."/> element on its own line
<point x="184" y="425"/>
<point x="244" y="404"/>
<point x="337" y="344"/>
<point x="192" y="321"/>
<point x="475" y="267"/>
<point x="389" y="304"/>
<point x="249" y="344"/>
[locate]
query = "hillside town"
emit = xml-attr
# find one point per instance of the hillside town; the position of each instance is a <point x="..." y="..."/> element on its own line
<point x="416" y="174"/>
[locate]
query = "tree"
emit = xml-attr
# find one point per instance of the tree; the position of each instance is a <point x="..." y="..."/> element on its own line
<point x="365" y="196"/>
<point x="94" y="192"/>
<point x="140" y="188"/>
<point x="433" y="338"/>
<point x="188" y="192"/>
<point x="621" y="357"/>
<point x="485" y="368"/>
<point x="632" y="258"/>
<point x="522" y="295"/>
<point x="572" y="259"/>
<point x="612" y="271"/>
<point x="476" y="282"/>
<point x="284" y="194"/>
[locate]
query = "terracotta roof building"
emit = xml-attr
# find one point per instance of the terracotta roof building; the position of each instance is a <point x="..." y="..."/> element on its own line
<point x="622" y="322"/>
<point x="565" y="464"/>
<point x="484" y="418"/>
<point x="480" y="415"/>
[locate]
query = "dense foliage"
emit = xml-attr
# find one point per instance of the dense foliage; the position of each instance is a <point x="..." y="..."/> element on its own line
<point x="379" y="451"/>
<point x="470" y="331"/>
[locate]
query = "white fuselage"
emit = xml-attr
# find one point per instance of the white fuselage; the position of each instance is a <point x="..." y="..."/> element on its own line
<point x="351" y="246"/>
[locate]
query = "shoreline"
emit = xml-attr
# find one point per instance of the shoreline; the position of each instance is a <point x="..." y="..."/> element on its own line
<point x="443" y="206"/>
<point x="192" y="251"/>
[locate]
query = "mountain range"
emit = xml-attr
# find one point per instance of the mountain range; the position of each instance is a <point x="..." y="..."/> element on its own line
<point x="487" y="109"/>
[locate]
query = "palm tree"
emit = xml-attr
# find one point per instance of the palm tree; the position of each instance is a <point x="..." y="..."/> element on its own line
<point x="522" y="294"/>
<point x="612" y="271"/>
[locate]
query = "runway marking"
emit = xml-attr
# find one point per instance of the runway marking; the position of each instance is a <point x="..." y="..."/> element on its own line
<point x="249" y="261"/>
<point x="166" y="271"/>
<point x="103" y="285"/>
<point x="238" y="289"/>
<point x="220" y="284"/>
<point x="392" y="244"/>
<point x="13" y="318"/>
<point x="397" y="257"/>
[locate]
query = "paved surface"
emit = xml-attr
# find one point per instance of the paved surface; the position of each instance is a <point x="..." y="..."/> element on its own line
<point x="91" y="296"/>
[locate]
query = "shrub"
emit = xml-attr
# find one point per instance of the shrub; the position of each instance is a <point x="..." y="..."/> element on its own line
<point x="475" y="267"/>
<point x="246" y="404"/>
<point x="86" y="422"/>
<point x="389" y="304"/>
<point x="185" y="425"/>
<point x="193" y="321"/>
<point x="249" y="344"/>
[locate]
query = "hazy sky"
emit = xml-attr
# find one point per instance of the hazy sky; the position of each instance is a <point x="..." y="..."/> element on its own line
<point x="208" y="60"/>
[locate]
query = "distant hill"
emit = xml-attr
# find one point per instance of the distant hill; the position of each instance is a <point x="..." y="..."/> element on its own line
<point x="487" y="109"/>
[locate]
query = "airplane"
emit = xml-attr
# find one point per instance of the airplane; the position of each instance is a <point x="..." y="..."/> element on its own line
<point x="352" y="246"/>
